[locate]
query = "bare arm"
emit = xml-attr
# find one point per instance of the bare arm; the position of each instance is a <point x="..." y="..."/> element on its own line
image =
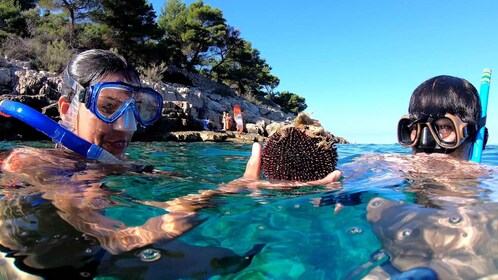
<point x="85" y="210"/>
<point x="83" y="204"/>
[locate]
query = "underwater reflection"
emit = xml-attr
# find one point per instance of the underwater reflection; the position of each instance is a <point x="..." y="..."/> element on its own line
<point x="58" y="217"/>
<point x="446" y="223"/>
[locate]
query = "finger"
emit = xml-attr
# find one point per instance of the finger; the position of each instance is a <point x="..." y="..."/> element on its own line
<point x="253" y="168"/>
<point x="330" y="178"/>
<point x="334" y="176"/>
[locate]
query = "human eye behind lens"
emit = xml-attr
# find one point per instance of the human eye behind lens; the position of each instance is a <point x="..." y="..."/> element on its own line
<point x="444" y="125"/>
<point x="445" y="130"/>
<point x="108" y="106"/>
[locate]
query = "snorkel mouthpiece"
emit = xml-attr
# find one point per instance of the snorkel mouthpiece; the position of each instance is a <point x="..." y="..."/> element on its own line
<point x="57" y="132"/>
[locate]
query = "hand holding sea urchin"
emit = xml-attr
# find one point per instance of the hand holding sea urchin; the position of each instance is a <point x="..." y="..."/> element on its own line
<point x="302" y="151"/>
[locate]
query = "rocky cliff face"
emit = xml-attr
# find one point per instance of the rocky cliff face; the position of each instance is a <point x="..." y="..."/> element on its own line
<point x="185" y="107"/>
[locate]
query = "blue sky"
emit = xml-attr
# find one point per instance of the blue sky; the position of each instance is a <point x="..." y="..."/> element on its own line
<point x="357" y="62"/>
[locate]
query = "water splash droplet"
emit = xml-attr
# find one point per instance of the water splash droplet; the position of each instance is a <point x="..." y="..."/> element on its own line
<point x="455" y="220"/>
<point x="406" y="232"/>
<point x="149" y="255"/>
<point x="355" y="230"/>
<point x="379" y="255"/>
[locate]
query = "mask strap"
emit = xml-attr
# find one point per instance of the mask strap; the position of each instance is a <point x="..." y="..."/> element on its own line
<point x="481" y="122"/>
<point x="71" y="117"/>
<point x="80" y="91"/>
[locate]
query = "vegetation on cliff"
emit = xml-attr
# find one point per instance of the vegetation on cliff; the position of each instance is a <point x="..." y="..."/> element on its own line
<point x="196" y="38"/>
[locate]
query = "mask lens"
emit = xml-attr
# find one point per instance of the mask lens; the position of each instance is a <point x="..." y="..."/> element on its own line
<point x="445" y="131"/>
<point x="114" y="98"/>
<point x="110" y="100"/>
<point x="126" y="122"/>
<point x="407" y="132"/>
<point x="149" y="104"/>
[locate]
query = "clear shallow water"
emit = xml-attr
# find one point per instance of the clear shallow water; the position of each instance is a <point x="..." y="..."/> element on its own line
<point x="303" y="234"/>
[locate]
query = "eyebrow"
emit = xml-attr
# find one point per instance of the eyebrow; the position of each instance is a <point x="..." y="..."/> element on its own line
<point x="114" y="98"/>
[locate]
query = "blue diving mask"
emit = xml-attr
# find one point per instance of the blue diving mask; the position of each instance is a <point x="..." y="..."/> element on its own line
<point x="110" y="101"/>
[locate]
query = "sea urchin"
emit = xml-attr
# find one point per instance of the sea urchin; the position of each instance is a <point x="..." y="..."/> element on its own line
<point x="302" y="151"/>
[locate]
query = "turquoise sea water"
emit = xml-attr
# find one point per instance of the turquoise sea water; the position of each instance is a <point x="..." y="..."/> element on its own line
<point x="308" y="233"/>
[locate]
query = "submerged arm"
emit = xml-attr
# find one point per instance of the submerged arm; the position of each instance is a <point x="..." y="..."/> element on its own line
<point x="85" y="211"/>
<point x="83" y="205"/>
<point x="249" y="182"/>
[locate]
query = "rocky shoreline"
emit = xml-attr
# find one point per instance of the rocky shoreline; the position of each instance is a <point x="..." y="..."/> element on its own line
<point x="213" y="136"/>
<point x="185" y="107"/>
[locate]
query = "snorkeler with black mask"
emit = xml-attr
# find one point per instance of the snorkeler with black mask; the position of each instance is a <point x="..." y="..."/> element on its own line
<point x="445" y="125"/>
<point x="434" y="134"/>
<point x="444" y="117"/>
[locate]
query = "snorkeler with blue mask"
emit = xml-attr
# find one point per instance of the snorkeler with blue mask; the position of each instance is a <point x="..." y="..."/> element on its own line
<point x="103" y="101"/>
<point x="100" y="106"/>
<point x="118" y="103"/>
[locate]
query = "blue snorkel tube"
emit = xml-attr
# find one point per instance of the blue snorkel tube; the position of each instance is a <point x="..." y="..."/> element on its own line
<point x="57" y="132"/>
<point x="483" y="95"/>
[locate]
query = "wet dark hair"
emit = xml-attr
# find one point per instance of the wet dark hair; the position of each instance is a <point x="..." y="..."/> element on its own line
<point x="89" y="67"/>
<point x="446" y="94"/>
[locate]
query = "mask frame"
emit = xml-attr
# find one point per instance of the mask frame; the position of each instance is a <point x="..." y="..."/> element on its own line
<point x="91" y="95"/>
<point x="410" y="131"/>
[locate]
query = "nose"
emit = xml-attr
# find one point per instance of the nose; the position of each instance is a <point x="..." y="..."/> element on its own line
<point x="126" y="122"/>
<point x="426" y="139"/>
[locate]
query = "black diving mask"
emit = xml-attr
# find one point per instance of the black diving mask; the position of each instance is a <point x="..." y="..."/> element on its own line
<point x="441" y="134"/>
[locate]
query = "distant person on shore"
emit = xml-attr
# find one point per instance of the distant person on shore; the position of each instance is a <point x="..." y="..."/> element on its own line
<point x="207" y="124"/>
<point x="224" y="120"/>
<point x="103" y="102"/>
<point x="228" y="122"/>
